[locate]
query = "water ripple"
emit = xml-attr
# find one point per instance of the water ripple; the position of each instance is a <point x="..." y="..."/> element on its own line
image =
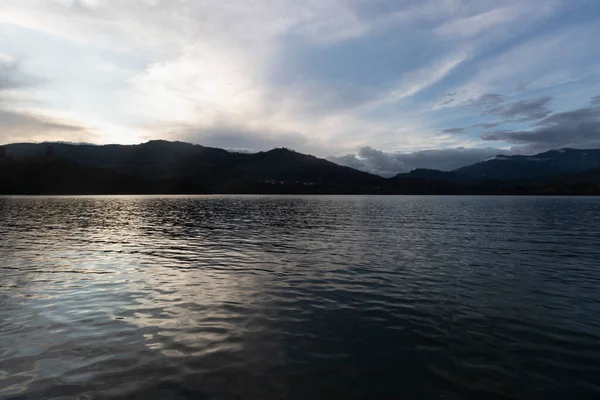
<point x="259" y="297"/>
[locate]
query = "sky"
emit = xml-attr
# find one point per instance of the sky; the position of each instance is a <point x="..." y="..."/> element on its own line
<point x="380" y="85"/>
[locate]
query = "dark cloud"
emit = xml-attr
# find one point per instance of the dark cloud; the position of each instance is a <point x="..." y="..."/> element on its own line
<point x="488" y="125"/>
<point x="522" y="110"/>
<point x="577" y="128"/>
<point x="448" y="98"/>
<point x="16" y="126"/>
<point x="577" y="118"/>
<point x="595" y="100"/>
<point x="518" y="111"/>
<point x="487" y="103"/>
<point x="16" y="121"/>
<point x="380" y="162"/>
<point x="389" y="164"/>
<point x="527" y="110"/>
<point x="454" y="130"/>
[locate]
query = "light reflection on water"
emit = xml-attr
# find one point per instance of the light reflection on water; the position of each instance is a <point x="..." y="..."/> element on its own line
<point x="299" y="297"/>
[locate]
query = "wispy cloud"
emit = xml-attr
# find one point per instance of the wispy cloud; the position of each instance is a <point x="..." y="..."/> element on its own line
<point x="478" y="23"/>
<point x="415" y="81"/>
<point x="527" y="110"/>
<point x="578" y="128"/>
<point x="540" y="63"/>
<point x="483" y="25"/>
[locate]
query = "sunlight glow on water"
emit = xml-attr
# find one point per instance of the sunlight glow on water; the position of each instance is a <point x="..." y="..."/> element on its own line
<point x="300" y="297"/>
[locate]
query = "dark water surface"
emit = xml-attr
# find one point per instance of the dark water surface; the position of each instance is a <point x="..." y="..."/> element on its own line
<point x="258" y="297"/>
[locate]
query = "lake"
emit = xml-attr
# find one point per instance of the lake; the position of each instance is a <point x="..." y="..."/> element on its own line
<point x="299" y="297"/>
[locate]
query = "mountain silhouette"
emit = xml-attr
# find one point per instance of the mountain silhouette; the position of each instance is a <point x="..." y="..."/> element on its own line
<point x="543" y="165"/>
<point x="163" y="167"/>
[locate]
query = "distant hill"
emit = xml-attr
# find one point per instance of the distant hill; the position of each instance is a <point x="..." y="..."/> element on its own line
<point x="164" y="167"/>
<point x="543" y="165"/>
<point x="175" y="167"/>
<point x="435" y="175"/>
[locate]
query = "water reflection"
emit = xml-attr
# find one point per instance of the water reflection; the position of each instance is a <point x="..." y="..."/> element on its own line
<point x="299" y="297"/>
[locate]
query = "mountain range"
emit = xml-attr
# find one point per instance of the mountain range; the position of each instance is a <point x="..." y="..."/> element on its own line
<point x="162" y="167"/>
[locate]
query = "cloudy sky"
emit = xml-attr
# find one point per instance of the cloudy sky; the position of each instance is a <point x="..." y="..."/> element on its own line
<point x="381" y="85"/>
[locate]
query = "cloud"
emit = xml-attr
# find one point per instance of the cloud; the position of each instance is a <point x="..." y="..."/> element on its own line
<point x="521" y="110"/>
<point x="494" y="104"/>
<point x="486" y="25"/>
<point x="19" y="125"/>
<point x="416" y="81"/>
<point x="325" y="77"/>
<point x="478" y="23"/>
<point x="579" y="116"/>
<point x="526" y="110"/>
<point x="488" y="103"/>
<point x="595" y="100"/>
<point x="12" y="76"/>
<point x="533" y="63"/>
<point x="9" y="73"/>
<point x="389" y="164"/>
<point x="487" y="125"/>
<point x="230" y="136"/>
<point x="454" y="130"/>
<point x="577" y="128"/>
<point x="226" y="69"/>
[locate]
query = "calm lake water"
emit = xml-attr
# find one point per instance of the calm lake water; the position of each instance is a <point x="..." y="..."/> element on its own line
<point x="307" y="297"/>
